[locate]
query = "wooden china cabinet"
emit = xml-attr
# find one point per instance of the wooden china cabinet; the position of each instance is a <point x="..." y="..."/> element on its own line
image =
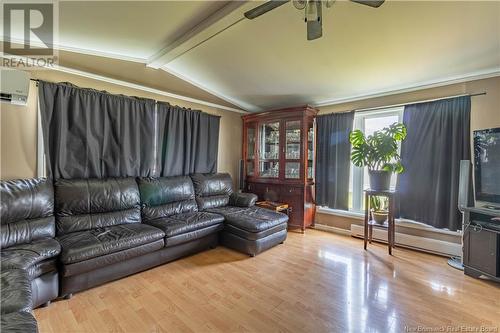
<point x="278" y="150"/>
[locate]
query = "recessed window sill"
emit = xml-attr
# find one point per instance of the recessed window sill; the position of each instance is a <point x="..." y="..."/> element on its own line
<point x="399" y="222"/>
<point x="340" y="212"/>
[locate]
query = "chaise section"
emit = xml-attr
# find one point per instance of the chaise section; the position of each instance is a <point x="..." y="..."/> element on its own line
<point x="27" y="235"/>
<point x="252" y="219"/>
<point x="169" y="204"/>
<point x="252" y="230"/>
<point x="247" y="228"/>
<point x="99" y="225"/>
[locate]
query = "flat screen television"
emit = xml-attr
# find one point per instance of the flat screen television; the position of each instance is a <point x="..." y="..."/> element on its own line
<point x="487" y="167"/>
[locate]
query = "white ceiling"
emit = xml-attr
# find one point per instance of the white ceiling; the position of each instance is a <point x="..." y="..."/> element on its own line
<point x="136" y="29"/>
<point x="268" y="62"/>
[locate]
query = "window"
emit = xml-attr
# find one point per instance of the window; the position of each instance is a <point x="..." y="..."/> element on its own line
<point x="369" y="122"/>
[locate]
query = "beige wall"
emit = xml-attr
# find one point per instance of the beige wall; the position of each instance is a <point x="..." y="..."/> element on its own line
<point x="18" y="125"/>
<point x="485" y="113"/>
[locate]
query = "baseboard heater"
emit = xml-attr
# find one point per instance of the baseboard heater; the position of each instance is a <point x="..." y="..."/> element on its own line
<point x="414" y="242"/>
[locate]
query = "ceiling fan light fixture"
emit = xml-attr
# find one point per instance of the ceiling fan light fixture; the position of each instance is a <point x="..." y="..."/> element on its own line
<point x="299" y="4"/>
<point x="311" y="11"/>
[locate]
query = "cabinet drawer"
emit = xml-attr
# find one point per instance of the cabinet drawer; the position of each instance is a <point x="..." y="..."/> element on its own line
<point x="264" y="191"/>
<point x="291" y="191"/>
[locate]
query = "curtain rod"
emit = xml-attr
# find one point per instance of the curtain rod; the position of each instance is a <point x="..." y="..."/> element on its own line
<point x="156" y="101"/>
<point x="417" y="102"/>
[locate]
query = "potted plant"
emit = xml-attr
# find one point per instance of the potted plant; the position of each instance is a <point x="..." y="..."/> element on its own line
<point x="379" y="152"/>
<point x="379" y="209"/>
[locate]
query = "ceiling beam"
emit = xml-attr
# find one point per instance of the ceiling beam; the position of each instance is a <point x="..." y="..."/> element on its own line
<point x="219" y="21"/>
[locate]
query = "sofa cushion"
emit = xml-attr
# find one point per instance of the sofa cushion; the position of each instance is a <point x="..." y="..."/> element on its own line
<point x="186" y="222"/>
<point x="85" y="266"/>
<point x="242" y="199"/>
<point x="84" y="204"/>
<point x="18" y="322"/>
<point x="212" y="190"/>
<point x="84" y="245"/>
<point x="25" y="256"/>
<point x="15" y="290"/>
<point x="26" y="211"/>
<point x="212" y="201"/>
<point x="251" y="219"/>
<point x="166" y="196"/>
<point x="193" y="235"/>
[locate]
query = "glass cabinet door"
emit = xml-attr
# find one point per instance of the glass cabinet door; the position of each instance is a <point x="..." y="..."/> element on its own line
<point x="269" y="150"/>
<point x="251" y="136"/>
<point x="310" y="150"/>
<point x="293" y="134"/>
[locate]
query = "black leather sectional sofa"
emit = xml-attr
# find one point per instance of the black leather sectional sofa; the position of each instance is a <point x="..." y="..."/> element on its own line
<point x="63" y="237"/>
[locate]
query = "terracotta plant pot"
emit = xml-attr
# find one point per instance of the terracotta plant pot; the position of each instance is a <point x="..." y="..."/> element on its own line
<point x="380" y="180"/>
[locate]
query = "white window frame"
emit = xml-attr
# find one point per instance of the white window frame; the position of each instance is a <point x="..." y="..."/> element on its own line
<point x="357" y="172"/>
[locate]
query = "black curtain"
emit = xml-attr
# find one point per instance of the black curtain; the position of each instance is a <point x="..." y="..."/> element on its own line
<point x="333" y="159"/>
<point x="89" y="133"/>
<point x="189" y="141"/>
<point x="438" y="138"/>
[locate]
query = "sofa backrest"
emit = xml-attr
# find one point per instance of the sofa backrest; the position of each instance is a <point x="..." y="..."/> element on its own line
<point x="26" y="211"/>
<point x="166" y="196"/>
<point x="212" y="189"/>
<point x="84" y="204"/>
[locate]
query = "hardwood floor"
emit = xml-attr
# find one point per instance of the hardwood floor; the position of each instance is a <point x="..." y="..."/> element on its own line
<point x="317" y="282"/>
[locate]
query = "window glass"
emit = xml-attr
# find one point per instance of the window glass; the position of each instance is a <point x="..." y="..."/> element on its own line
<point x="369" y="122"/>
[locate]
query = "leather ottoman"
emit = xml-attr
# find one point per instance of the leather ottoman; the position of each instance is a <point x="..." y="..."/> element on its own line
<point x="252" y="230"/>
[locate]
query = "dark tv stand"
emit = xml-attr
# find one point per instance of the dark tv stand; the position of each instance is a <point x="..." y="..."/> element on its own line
<point x="482" y="243"/>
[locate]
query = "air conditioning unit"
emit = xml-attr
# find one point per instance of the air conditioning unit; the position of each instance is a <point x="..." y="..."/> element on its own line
<point x="14" y="86"/>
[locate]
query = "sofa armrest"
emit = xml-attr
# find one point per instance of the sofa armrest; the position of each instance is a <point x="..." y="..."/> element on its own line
<point x="242" y="199"/>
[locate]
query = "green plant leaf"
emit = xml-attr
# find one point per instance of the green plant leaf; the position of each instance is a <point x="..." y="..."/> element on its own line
<point x="378" y="151"/>
<point x="358" y="156"/>
<point x="357" y="138"/>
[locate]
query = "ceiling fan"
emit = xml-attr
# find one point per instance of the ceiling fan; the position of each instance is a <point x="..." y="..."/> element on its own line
<point x="313" y="12"/>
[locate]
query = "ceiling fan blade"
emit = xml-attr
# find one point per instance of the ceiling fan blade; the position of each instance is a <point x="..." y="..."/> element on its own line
<point x="314" y="27"/>
<point x="264" y="8"/>
<point x="371" y="3"/>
